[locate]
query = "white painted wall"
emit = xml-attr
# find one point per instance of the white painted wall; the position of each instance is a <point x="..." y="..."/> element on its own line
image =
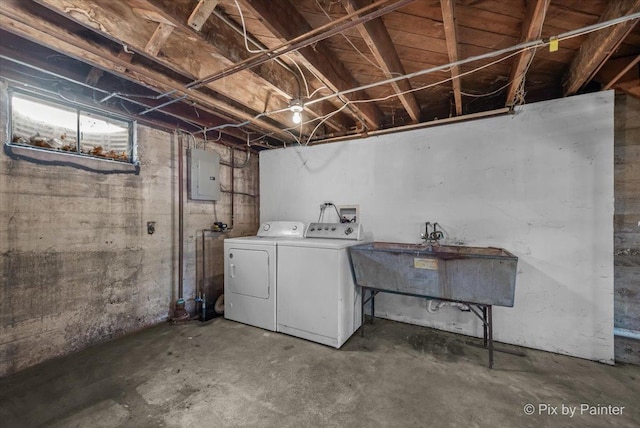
<point x="539" y="184"/>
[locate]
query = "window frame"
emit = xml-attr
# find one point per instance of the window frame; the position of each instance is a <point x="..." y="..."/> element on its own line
<point x="79" y="109"/>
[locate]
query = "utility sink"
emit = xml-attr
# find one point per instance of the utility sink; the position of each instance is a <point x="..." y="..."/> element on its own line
<point x="442" y="251"/>
<point x="483" y="275"/>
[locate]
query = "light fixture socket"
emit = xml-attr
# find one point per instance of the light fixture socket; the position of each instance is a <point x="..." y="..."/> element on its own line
<point x="296" y="107"/>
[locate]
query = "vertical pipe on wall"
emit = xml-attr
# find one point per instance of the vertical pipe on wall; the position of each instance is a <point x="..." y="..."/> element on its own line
<point x="180" y="216"/>
<point x="180" y="314"/>
<point x="233" y="173"/>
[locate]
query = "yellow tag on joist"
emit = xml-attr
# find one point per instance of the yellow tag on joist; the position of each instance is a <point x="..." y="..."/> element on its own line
<point x="553" y="44"/>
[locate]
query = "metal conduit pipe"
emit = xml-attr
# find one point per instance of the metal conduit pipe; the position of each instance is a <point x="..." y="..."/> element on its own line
<point x="520" y="46"/>
<point x="179" y="313"/>
<point x="332" y="138"/>
<point x="629" y="334"/>
<point x="320" y="33"/>
<point x="233" y="180"/>
<point x="119" y="95"/>
<point x="244" y="164"/>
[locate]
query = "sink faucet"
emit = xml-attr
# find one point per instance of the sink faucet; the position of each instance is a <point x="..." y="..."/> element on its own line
<point x="434" y="236"/>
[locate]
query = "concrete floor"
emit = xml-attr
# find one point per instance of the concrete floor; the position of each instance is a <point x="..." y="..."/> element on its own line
<point x="222" y="373"/>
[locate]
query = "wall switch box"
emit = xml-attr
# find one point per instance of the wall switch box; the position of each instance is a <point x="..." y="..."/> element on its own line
<point x="204" y="181"/>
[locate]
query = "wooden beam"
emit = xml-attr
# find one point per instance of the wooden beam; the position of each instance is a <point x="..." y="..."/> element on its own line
<point x="201" y="13"/>
<point x="37" y="55"/>
<point x="158" y="38"/>
<point x="377" y="38"/>
<point x="622" y="71"/>
<point x="186" y="53"/>
<point x="531" y="30"/>
<point x="599" y="45"/>
<point x="126" y="57"/>
<point x="93" y="77"/>
<point x="15" y="19"/>
<point x="285" y="22"/>
<point x="631" y="87"/>
<point x="150" y="15"/>
<point x="230" y="45"/>
<point x="449" y="22"/>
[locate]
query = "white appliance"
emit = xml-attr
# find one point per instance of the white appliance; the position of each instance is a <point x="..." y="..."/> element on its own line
<point x="250" y="281"/>
<point x="317" y="298"/>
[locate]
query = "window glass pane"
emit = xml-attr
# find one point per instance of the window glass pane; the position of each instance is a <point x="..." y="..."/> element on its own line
<point x="104" y="137"/>
<point x="38" y="123"/>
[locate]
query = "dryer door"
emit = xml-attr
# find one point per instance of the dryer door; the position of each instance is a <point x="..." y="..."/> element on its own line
<point x="248" y="271"/>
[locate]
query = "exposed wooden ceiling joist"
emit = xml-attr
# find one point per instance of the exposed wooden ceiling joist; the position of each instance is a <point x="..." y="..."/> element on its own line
<point x="201" y="13"/>
<point x="17" y="20"/>
<point x="230" y="45"/>
<point x="218" y="69"/>
<point x="377" y="38"/>
<point x="286" y="23"/>
<point x="158" y="38"/>
<point x="56" y="73"/>
<point x="531" y="30"/>
<point x="449" y="22"/>
<point x="600" y="45"/>
<point x="193" y="60"/>
<point x="626" y="65"/>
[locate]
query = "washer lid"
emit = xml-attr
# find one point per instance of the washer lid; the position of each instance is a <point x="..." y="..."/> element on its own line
<point x="331" y="244"/>
<point x="250" y="240"/>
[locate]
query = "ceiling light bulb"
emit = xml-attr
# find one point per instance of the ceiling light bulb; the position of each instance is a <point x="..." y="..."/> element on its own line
<point x="296" y="108"/>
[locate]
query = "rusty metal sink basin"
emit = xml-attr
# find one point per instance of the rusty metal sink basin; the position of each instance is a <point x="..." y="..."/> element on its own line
<point x="442" y="251"/>
<point x="483" y="275"/>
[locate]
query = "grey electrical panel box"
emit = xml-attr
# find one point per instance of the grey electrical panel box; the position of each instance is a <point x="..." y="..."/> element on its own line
<point x="204" y="183"/>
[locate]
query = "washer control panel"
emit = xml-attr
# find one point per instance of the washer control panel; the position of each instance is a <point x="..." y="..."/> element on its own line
<point x="353" y="231"/>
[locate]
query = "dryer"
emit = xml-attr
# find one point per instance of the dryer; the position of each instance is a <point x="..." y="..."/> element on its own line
<point x="250" y="281"/>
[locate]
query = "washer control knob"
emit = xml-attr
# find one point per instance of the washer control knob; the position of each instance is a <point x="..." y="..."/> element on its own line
<point x="348" y="231"/>
<point x="266" y="227"/>
<point x="295" y="227"/>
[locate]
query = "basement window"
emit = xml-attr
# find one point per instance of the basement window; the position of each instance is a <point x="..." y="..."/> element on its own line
<point x="51" y="125"/>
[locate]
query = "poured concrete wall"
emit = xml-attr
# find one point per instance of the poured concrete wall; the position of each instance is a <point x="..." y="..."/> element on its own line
<point x="539" y="184"/>
<point x="627" y="229"/>
<point x="77" y="266"/>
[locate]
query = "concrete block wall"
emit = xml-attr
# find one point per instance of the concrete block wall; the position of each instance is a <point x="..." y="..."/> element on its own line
<point x="627" y="227"/>
<point x="77" y="266"/>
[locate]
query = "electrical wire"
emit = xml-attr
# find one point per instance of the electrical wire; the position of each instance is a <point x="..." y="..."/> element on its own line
<point x="324" y="120"/>
<point x="348" y="102"/>
<point x="304" y="79"/>
<point x="246" y="45"/>
<point x="511" y="51"/>
<point x="244" y="30"/>
<point x="348" y="40"/>
<point x="317" y="90"/>
<point x="518" y="47"/>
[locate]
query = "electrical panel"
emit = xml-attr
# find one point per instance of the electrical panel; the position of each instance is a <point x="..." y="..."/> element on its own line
<point x="204" y="182"/>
